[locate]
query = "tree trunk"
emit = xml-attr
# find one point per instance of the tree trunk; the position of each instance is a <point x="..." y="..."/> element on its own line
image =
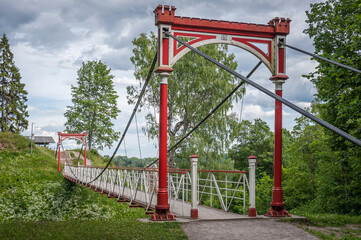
<point x="171" y="159"/>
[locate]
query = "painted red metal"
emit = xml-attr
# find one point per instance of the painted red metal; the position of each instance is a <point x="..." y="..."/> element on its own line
<point x="165" y="56"/>
<point x="198" y="37"/>
<point x="194" y="213"/>
<point x="249" y="42"/>
<point x="59" y="154"/>
<point x="277" y="26"/>
<point x="252" y="212"/>
<point x="64" y="136"/>
<point x="206" y="31"/>
<point x="162" y="212"/>
<point x="85" y="155"/>
<point x="281" y="60"/>
<point x="279" y="77"/>
<point x="277" y="205"/>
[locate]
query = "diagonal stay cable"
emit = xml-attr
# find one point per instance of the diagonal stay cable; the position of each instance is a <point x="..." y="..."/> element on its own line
<point x="211" y="112"/>
<point x="131" y="117"/>
<point x="321" y="58"/>
<point x="273" y="95"/>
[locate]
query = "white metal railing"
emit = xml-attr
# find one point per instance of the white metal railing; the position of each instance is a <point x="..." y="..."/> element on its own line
<point x="139" y="185"/>
<point x="216" y="188"/>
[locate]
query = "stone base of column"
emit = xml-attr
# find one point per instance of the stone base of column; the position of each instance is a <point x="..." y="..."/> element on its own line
<point x="162" y="215"/>
<point x="194" y="213"/>
<point x="252" y="212"/>
<point x="277" y="211"/>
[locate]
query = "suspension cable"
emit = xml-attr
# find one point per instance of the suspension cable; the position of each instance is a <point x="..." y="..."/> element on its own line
<point x="273" y="95"/>
<point x="319" y="57"/>
<point x="131" y="117"/>
<point x="136" y="124"/>
<point x="211" y="112"/>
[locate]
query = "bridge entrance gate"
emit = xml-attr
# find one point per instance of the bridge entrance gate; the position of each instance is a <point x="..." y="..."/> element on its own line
<point x="64" y="136"/>
<point x="199" y="32"/>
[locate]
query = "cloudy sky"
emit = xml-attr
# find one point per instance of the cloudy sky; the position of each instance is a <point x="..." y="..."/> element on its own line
<point x="50" y="40"/>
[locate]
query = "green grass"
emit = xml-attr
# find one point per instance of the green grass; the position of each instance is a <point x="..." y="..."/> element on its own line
<point x="36" y="202"/>
<point x="330" y="226"/>
<point x="333" y="219"/>
<point x="92" y="229"/>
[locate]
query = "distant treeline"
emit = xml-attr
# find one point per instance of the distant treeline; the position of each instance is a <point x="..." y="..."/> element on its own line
<point x="124" y="161"/>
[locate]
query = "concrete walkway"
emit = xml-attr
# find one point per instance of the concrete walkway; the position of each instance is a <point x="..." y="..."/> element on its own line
<point x="262" y="229"/>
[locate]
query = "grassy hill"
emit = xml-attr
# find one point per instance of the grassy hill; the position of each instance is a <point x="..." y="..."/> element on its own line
<point x="36" y="202"/>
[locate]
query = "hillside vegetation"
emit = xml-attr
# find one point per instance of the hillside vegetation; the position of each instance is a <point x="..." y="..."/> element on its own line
<point x="31" y="189"/>
<point x="36" y="202"/>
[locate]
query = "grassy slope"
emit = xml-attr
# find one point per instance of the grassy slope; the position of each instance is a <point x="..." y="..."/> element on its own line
<point x="36" y="202"/>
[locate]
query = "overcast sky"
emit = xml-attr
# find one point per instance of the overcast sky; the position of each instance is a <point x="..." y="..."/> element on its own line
<point x="50" y="40"/>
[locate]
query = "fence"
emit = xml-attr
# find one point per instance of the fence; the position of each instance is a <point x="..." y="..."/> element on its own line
<point x="139" y="186"/>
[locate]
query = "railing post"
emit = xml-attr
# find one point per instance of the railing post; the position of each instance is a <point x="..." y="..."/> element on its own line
<point x="252" y="186"/>
<point x="194" y="163"/>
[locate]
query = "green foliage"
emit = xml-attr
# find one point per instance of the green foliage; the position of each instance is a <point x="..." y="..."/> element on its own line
<point x="306" y="156"/>
<point x="264" y="188"/>
<point x="31" y="189"/>
<point x="124" y="161"/>
<point x="194" y="88"/>
<point x="13" y="96"/>
<point x="94" y="105"/>
<point x="335" y="28"/>
<point x="257" y="139"/>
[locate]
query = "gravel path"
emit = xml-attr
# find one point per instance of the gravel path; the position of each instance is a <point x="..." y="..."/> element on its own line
<point x="244" y="229"/>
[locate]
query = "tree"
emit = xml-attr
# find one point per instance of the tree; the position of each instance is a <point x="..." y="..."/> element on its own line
<point x="94" y="105"/>
<point x="256" y="139"/>
<point x="13" y="96"/>
<point x="335" y="27"/>
<point x="195" y="87"/>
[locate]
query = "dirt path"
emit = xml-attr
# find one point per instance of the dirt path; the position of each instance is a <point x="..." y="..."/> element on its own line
<point x="244" y="229"/>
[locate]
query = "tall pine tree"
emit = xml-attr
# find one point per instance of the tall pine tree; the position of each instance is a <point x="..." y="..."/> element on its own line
<point x="94" y="105"/>
<point x="13" y="96"/>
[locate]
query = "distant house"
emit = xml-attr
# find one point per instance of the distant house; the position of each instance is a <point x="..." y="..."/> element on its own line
<point x="42" y="141"/>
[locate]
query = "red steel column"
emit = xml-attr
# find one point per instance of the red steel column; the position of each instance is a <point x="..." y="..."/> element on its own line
<point x="84" y="156"/>
<point x="162" y="212"/>
<point x="277" y="205"/>
<point x="59" y="154"/>
<point x="84" y="149"/>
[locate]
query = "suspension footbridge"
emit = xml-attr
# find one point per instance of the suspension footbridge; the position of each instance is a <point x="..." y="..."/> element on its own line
<point x="166" y="193"/>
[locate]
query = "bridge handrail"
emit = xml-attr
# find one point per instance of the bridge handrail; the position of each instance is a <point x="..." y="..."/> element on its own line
<point x="222" y="186"/>
<point x="169" y="170"/>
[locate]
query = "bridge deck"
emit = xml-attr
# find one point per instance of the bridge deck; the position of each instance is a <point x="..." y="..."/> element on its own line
<point x="178" y="207"/>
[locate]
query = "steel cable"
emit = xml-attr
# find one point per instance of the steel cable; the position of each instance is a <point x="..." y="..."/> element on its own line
<point x="211" y="112"/>
<point x="273" y="95"/>
<point x="321" y="58"/>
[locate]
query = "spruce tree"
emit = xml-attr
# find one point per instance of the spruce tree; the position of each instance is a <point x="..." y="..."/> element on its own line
<point x="94" y="105"/>
<point x="13" y="96"/>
